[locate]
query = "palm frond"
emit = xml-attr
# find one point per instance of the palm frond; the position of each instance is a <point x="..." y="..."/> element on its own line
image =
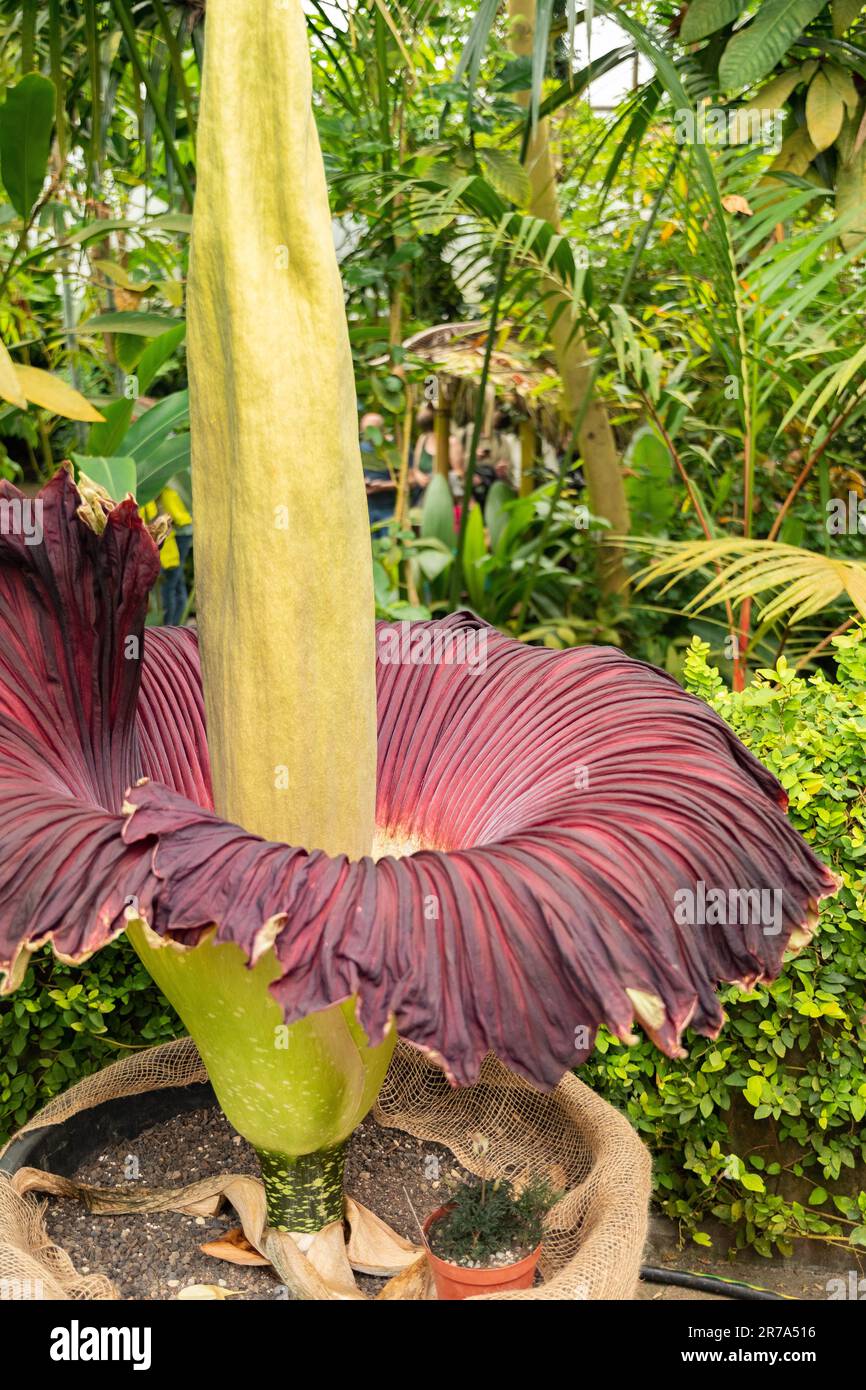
<point x="793" y="582"/>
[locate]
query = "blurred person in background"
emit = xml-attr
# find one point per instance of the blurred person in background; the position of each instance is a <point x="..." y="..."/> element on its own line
<point x="378" y="480"/>
<point x="172" y="557"/>
<point x="424" y="454"/>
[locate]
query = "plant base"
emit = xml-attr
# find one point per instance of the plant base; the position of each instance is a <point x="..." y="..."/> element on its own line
<point x="304" y="1192"/>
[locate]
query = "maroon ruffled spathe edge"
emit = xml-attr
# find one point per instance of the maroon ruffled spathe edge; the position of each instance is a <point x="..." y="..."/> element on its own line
<point x="570" y="796"/>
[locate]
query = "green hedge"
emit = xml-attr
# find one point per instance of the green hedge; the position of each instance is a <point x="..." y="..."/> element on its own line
<point x="67" y="1021"/>
<point x="763" y="1128"/>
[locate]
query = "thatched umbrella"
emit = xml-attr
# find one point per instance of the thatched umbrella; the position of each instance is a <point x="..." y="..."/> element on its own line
<point x="455" y="352"/>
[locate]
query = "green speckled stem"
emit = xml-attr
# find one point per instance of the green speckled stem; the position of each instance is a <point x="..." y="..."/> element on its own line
<point x="290" y="1090"/>
<point x="304" y="1193"/>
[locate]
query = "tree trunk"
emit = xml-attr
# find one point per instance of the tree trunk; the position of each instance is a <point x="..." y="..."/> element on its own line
<point x="442" y="428"/>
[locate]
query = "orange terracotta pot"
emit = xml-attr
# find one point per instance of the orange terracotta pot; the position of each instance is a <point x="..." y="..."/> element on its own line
<point x="453" y="1281"/>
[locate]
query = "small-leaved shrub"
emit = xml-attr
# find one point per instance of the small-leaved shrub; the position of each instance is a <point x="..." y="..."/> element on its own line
<point x="763" y="1128"/>
<point x="65" y="1022"/>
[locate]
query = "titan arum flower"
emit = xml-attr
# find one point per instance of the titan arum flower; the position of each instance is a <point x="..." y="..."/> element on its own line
<point x="480" y="853"/>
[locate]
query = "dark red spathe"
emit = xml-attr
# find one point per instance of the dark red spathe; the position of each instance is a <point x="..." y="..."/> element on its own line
<point x="568" y="795"/>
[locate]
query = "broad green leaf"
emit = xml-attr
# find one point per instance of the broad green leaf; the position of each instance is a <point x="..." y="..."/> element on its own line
<point x="172" y="290"/>
<point x="155" y="423"/>
<point x="753" y="1089"/>
<point x="128" y="348"/>
<point x="755" y="50"/>
<point x="106" y="438"/>
<point x="162" y="464"/>
<point x="825" y="111"/>
<point x="99" y="229"/>
<point x="116" y="475"/>
<point x="437" y="515"/>
<point x="474" y="549"/>
<point x="516" y="75"/>
<point x="42" y="388"/>
<point x="158" y="352"/>
<point x="10" y="387"/>
<point x="704" y="17"/>
<point x="26" y="121"/>
<point x="173" y="222"/>
<point x="432" y="562"/>
<point x="651" y="498"/>
<point x="128" y="321"/>
<point x="495" y="513"/>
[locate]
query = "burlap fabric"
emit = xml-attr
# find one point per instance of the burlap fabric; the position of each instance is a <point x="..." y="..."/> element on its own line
<point x="594" y="1235"/>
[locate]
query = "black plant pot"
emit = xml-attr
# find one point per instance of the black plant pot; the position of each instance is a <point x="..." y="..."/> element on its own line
<point x="60" y="1148"/>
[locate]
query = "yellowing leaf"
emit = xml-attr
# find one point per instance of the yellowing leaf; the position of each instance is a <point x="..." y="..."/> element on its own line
<point x="121" y="276"/>
<point x="775" y="93"/>
<point x="752" y="1182"/>
<point x="42" y="388"/>
<point x="763" y="105"/>
<point x="735" y="202"/>
<point x="825" y="112"/>
<point x="172" y="290"/>
<point x="799" y="582"/>
<point x="843" y="85"/>
<point x="127" y="301"/>
<point x="796" y="154"/>
<point x="10" y="387"/>
<point x="844" y="13"/>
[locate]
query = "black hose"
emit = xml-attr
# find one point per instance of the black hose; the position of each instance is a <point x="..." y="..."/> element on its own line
<point x="709" y="1283"/>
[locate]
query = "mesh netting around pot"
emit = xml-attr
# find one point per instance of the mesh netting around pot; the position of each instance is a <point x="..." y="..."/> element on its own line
<point x="594" y="1234"/>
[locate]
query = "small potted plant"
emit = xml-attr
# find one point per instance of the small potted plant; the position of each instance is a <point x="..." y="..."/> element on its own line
<point x="487" y="1237"/>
